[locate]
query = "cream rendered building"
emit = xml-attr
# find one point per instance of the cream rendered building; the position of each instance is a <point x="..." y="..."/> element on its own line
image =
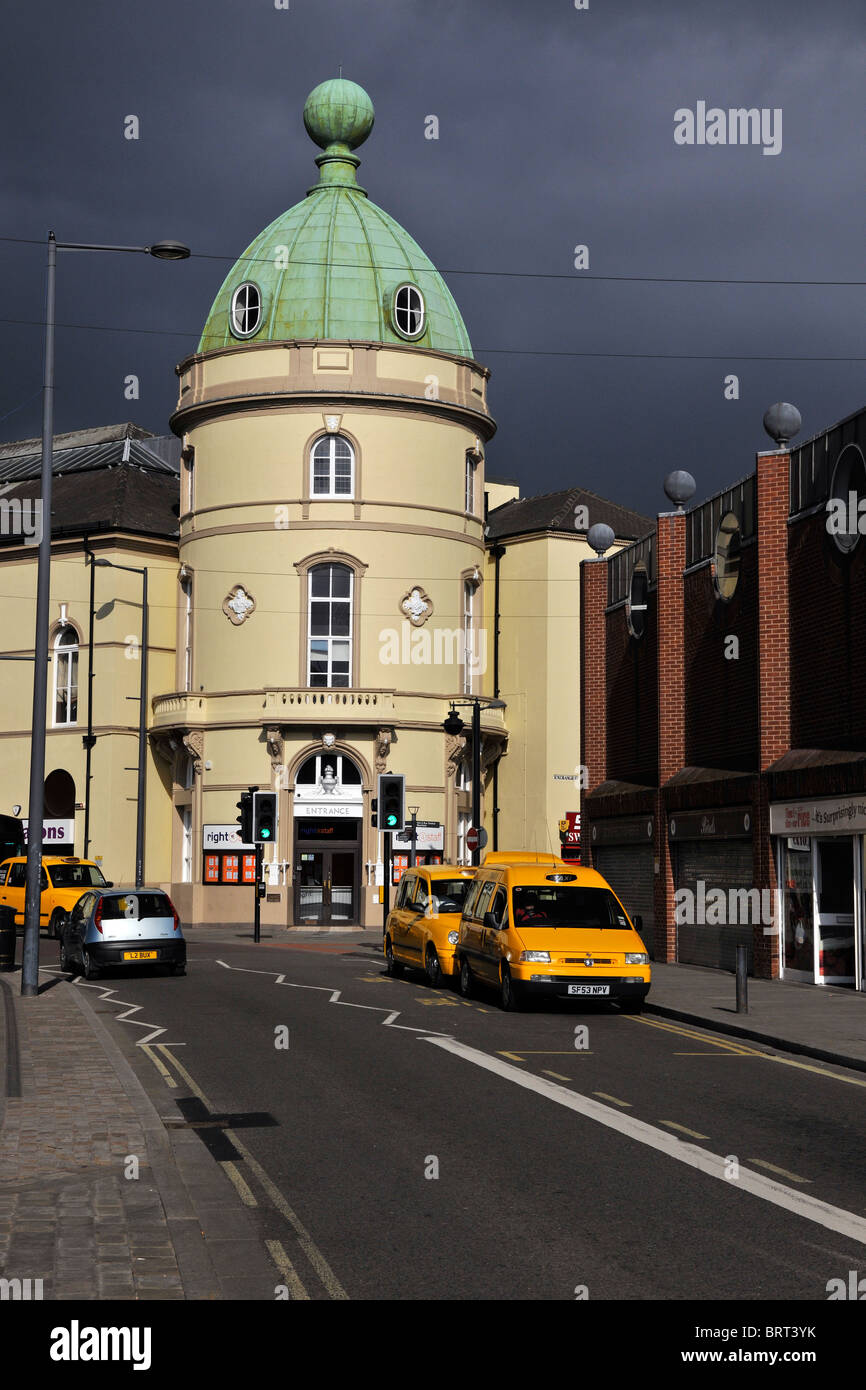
<point x="331" y="535"/>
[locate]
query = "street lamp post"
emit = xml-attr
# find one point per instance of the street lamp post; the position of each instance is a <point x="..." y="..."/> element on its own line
<point x="142" y="715"/>
<point x="454" y="725"/>
<point x="163" y="250"/>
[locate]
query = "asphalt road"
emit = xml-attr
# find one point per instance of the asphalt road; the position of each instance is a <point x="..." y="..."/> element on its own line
<point x="407" y="1144"/>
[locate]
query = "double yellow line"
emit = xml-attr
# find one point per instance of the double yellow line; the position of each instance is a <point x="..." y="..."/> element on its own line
<point x="288" y="1273"/>
<point x="741" y="1049"/>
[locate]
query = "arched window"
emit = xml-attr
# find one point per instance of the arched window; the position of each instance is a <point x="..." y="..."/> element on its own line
<point x="330" y="626"/>
<point x="66" y="676"/>
<point x="332" y="467"/>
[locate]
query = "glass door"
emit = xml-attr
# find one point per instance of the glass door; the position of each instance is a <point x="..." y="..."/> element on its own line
<point x="834" y="903"/>
<point x="341" y="879"/>
<point x="310" y="888"/>
<point x="325" y="887"/>
<point x="795" y="878"/>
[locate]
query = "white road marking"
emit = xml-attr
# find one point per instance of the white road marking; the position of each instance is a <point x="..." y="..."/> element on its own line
<point x="714" y="1165"/>
<point x="278" y="979"/>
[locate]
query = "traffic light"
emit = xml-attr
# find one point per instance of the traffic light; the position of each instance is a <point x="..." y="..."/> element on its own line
<point x="264" y="817"/>
<point x="245" y="819"/>
<point x="391" y="798"/>
<point x="374" y="812"/>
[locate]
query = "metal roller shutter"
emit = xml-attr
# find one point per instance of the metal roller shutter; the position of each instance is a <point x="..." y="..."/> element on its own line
<point x="725" y="864"/>
<point x="629" y="871"/>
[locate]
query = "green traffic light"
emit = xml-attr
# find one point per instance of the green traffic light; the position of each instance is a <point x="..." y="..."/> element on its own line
<point x="265" y="833"/>
<point x="392" y="819"/>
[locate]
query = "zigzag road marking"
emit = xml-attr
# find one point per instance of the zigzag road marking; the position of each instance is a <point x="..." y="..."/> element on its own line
<point x="130" y="1009"/>
<point x="334" y="998"/>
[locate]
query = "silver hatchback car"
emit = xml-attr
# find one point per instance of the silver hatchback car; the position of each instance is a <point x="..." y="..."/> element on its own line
<point x="122" y="927"/>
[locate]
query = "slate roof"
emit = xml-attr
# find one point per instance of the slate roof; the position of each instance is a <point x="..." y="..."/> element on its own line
<point x="121" y="498"/>
<point x="554" y="511"/>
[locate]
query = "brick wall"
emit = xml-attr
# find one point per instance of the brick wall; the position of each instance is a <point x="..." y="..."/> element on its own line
<point x="721" y="691"/>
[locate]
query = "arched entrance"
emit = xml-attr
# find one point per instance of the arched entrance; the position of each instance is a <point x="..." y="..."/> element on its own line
<point x="328" y="816"/>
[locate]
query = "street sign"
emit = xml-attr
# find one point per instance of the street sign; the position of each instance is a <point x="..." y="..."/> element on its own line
<point x="430" y="835"/>
<point x="476" y="838"/>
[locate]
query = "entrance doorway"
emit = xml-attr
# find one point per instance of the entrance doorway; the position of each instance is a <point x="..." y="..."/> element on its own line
<point x="327" y="872"/>
<point x="821" y="878"/>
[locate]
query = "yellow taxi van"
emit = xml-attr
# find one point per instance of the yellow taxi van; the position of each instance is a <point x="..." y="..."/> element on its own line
<point x="535" y="925"/>
<point x="62" y="880"/>
<point x="423" y="925"/>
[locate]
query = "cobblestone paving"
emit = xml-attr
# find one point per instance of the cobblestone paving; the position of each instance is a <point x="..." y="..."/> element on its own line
<point x="69" y="1214"/>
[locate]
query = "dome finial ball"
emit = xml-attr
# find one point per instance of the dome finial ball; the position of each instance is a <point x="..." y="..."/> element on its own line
<point x="338" y="112"/>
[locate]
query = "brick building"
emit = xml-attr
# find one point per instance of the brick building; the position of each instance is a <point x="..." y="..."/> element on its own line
<point x="724" y="718"/>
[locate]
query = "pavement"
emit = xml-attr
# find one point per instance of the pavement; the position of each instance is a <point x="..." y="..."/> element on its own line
<point x="99" y="1200"/>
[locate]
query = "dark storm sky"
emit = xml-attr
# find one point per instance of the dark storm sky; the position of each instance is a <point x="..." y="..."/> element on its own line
<point x="555" y="128"/>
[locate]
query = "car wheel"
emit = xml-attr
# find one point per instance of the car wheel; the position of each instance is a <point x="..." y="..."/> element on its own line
<point x="66" y="964"/>
<point x="56" y="925"/>
<point x="179" y="968"/>
<point x="467" y="984"/>
<point x="394" y="967"/>
<point x="91" y="971"/>
<point x="509" y="999"/>
<point x="434" y="968"/>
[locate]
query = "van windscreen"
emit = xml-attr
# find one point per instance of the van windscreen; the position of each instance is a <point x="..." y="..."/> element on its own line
<point x="562" y="906"/>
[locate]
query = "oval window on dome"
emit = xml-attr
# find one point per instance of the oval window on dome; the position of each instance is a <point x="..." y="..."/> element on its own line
<point x="408" y="314"/>
<point x="245" y="315"/>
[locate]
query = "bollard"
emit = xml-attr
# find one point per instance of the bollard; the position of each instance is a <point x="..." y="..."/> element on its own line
<point x="742" y="979"/>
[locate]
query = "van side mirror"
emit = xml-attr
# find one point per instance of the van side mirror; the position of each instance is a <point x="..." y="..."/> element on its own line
<point x="490" y="922"/>
<point x="109" y="883"/>
<point x="637" y="922"/>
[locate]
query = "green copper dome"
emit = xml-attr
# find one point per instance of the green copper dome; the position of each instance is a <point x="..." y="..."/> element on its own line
<point x="330" y="266"/>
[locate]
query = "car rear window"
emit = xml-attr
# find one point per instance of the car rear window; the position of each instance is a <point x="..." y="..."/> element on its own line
<point x="566" y="907"/>
<point x="136" y="905"/>
<point x="76" y="876"/>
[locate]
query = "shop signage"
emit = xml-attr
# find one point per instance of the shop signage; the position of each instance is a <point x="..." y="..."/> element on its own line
<point x="623" y="830"/>
<point x="55" y="832"/>
<point x="429" y="834"/>
<point x="222" y="837"/>
<point x="834" y="815"/>
<point x="721" y="823"/>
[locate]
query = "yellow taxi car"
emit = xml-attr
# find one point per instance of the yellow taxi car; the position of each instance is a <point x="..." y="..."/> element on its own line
<point x="535" y="925"/>
<point x="423" y="925"/>
<point x="63" y="881"/>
